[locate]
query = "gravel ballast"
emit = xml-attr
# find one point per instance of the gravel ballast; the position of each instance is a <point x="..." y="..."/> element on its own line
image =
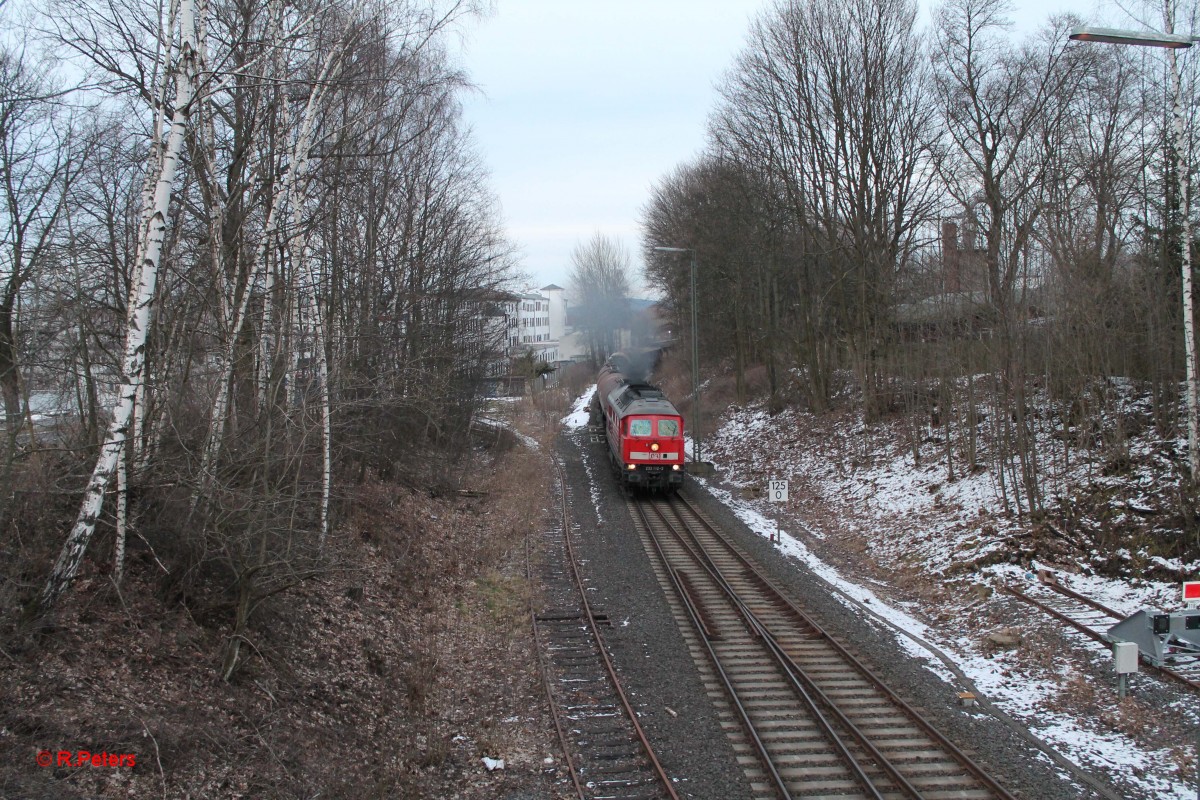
<point x="659" y="672"/>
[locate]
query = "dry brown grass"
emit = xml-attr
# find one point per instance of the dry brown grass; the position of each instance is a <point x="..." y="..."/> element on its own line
<point x="390" y="675"/>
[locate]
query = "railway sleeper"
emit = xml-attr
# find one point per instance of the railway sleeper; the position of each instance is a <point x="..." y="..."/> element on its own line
<point x="570" y="656"/>
<point x="775" y="711"/>
<point x="830" y="771"/>
<point x="915" y="753"/>
<point x="831" y="787"/>
<point x="593" y="744"/>
<point x="630" y="768"/>
<point x="617" y="745"/>
<point x="585" y="710"/>
<point x="823" y="757"/>
<point x="786" y="723"/>
<point x="946" y="783"/>
<point x="857" y="698"/>
<point x="808" y="742"/>
<point x="936" y="773"/>
<point x="911" y="745"/>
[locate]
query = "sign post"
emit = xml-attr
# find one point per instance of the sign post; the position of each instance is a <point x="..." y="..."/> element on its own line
<point x="777" y="492"/>
<point x="1191" y="598"/>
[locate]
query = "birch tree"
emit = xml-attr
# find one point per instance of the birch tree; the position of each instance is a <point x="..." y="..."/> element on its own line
<point x="186" y="71"/>
<point x="600" y="285"/>
<point x="309" y="279"/>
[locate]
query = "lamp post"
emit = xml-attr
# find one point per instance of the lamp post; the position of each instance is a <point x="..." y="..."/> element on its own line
<point x="1171" y="42"/>
<point x="695" y="353"/>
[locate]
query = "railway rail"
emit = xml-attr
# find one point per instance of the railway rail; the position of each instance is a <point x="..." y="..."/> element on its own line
<point x="809" y="718"/>
<point x="607" y="753"/>
<point x="1093" y="619"/>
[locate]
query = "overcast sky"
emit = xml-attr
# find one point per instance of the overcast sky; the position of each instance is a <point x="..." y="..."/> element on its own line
<point x="585" y="104"/>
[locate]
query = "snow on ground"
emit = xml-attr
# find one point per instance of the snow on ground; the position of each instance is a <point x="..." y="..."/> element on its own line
<point x="508" y="425"/>
<point x="849" y="591"/>
<point x="923" y="521"/>
<point x="578" y="419"/>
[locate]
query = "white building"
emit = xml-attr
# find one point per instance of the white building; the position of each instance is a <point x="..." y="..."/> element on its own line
<point x="571" y="345"/>
<point x="555" y="296"/>
<point x="533" y="319"/>
<point x="532" y="322"/>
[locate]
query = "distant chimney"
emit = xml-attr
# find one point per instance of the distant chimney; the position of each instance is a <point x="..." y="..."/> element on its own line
<point x="969" y="231"/>
<point x="951" y="258"/>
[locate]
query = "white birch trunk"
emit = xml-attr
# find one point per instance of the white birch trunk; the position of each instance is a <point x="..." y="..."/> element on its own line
<point x="292" y="180"/>
<point x="320" y="342"/>
<point x="295" y="172"/>
<point x="326" y="431"/>
<point x="154" y="169"/>
<point x="135" y="342"/>
<point x="1185" y="224"/>
<point x="122" y="509"/>
<point x="265" y="354"/>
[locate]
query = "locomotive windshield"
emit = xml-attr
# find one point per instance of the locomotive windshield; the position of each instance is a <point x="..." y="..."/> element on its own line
<point x="668" y="427"/>
<point x="639" y="427"/>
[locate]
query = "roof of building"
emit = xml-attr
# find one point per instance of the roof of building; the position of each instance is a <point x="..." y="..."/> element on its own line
<point x="552" y="287"/>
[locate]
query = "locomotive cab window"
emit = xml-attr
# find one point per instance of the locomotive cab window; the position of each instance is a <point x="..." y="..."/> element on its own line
<point x="668" y="427"/>
<point x="639" y="427"/>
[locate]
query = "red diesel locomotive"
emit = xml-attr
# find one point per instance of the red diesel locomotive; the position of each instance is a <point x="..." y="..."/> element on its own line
<point x="643" y="430"/>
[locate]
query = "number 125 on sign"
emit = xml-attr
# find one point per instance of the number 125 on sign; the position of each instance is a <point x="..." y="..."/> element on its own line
<point x="778" y="491"/>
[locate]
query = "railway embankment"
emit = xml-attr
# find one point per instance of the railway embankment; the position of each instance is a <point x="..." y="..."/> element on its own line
<point x="928" y="551"/>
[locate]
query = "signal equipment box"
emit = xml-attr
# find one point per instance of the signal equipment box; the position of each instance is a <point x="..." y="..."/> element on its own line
<point x="1161" y="636"/>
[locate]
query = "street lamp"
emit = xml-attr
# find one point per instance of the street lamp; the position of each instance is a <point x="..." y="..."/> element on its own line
<point x="695" y="353"/>
<point x="1170" y="42"/>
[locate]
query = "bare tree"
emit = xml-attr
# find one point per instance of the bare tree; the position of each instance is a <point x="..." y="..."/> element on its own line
<point x="726" y="213"/>
<point x="600" y="287"/>
<point x="839" y="128"/>
<point x="185" y="71"/>
<point x="300" y="304"/>
<point x="37" y="164"/>
<point x="1003" y="106"/>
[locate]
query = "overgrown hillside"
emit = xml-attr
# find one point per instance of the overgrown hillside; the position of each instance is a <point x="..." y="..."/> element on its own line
<point x="391" y="672"/>
<point x="880" y="518"/>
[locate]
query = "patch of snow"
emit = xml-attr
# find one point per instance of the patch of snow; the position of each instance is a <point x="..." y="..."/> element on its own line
<point x="936" y="520"/>
<point x="579" y="416"/>
<point x="504" y="424"/>
<point x="578" y="420"/>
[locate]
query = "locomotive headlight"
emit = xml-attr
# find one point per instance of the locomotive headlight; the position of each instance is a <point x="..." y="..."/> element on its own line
<point x="675" y="467"/>
<point x="654" y="447"/>
<point x="632" y="467"/>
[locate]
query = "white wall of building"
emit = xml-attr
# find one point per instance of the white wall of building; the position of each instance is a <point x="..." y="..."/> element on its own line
<point x="556" y="295"/>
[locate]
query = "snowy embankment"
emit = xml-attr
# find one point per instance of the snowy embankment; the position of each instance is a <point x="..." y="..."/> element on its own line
<point x="498" y="418"/>
<point x="849" y="482"/>
<point x="577" y="420"/>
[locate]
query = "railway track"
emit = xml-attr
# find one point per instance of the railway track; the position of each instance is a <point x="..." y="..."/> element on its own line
<point x="607" y="753"/>
<point x="807" y="718"/>
<point x="1092" y="619"/>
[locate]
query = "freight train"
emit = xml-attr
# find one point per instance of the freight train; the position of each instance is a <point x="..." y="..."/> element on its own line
<point x="642" y="429"/>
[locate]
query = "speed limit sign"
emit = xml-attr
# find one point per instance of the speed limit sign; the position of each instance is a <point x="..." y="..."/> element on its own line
<point x="777" y="491"/>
